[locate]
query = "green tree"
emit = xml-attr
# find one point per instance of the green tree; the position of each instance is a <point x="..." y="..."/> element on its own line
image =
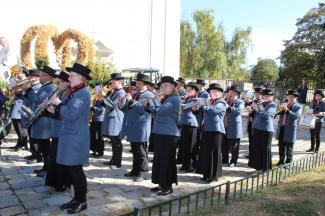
<point x="304" y="53"/>
<point x="265" y="69"/>
<point x="205" y="53"/>
<point x="101" y="70"/>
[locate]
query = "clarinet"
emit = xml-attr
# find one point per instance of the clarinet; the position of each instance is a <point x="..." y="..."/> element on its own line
<point x="41" y="108"/>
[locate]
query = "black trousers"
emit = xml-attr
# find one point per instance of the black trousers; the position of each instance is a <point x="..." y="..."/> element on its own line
<point x="43" y="147"/>
<point x="140" y="157"/>
<point x="230" y="146"/>
<point x="21" y="133"/>
<point x="117" y="149"/>
<point x="315" y="135"/>
<point x="164" y="170"/>
<point x="96" y="138"/>
<point x="250" y="137"/>
<point x="188" y="141"/>
<point x="33" y="145"/>
<point x="196" y="148"/>
<point x="285" y="148"/>
<point x="210" y="158"/>
<point x="55" y="177"/>
<point x="78" y="179"/>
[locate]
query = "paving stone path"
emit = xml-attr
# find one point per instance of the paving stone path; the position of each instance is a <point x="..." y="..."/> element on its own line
<point x="109" y="192"/>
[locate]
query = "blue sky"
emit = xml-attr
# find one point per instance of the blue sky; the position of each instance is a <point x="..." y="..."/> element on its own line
<point x="272" y="21"/>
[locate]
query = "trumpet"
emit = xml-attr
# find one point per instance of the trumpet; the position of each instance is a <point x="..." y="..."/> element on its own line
<point x="145" y="100"/>
<point x="21" y="84"/>
<point x="110" y="105"/>
<point x="282" y="108"/>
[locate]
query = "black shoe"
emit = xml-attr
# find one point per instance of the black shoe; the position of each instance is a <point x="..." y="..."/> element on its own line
<point x="77" y="208"/>
<point x="41" y="174"/>
<point x="70" y="204"/>
<point x="98" y="155"/>
<point x="130" y="174"/>
<point x="288" y="161"/>
<point x="39" y="160"/>
<point x="30" y="157"/>
<point x="189" y="170"/>
<point x="36" y="171"/>
<point x="316" y="150"/>
<point x="138" y="178"/>
<point x="111" y="162"/>
<point x="182" y="169"/>
<point x="155" y="189"/>
<point x="165" y="192"/>
<point x="247" y="156"/>
<point x="310" y="150"/>
<point x="115" y="166"/>
<point x="16" y="147"/>
<point x="280" y="163"/>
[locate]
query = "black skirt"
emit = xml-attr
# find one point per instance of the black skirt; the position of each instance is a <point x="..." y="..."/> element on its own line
<point x="210" y="158"/>
<point x="56" y="176"/>
<point x="260" y="157"/>
<point x="164" y="171"/>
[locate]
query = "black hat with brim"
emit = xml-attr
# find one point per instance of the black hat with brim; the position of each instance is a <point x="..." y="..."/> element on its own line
<point x="200" y="81"/>
<point x="192" y="85"/>
<point x="257" y="90"/>
<point x="292" y="92"/>
<point x="167" y="79"/>
<point x="49" y="71"/>
<point x="234" y="88"/>
<point x="267" y="92"/>
<point x="80" y="69"/>
<point x="63" y="76"/>
<point x="116" y="76"/>
<point x="143" y="78"/>
<point x="215" y="86"/>
<point x="33" y="72"/>
<point x="181" y="80"/>
<point x="320" y="92"/>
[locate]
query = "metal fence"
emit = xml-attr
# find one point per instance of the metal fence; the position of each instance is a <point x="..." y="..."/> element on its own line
<point x="230" y="191"/>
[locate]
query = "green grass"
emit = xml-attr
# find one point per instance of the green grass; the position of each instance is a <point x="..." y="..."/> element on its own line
<point x="298" y="195"/>
<point x="296" y="208"/>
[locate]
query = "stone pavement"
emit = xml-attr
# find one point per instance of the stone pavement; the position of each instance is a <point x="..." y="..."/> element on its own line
<point x="109" y="192"/>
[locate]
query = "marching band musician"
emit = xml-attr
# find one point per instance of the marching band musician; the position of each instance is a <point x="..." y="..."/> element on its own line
<point x="97" y="118"/>
<point x="210" y="158"/>
<point x="202" y="93"/>
<point x="41" y="128"/>
<point x="233" y="125"/>
<point x="317" y="107"/>
<point x="74" y="135"/>
<point x="113" y="120"/>
<point x="153" y="87"/>
<point x="287" y="126"/>
<point x="29" y="90"/>
<point x="181" y="85"/>
<point x="189" y="127"/>
<point x="261" y="155"/>
<point x="257" y="99"/>
<point x="166" y="133"/>
<point x="16" y="116"/>
<point x="138" y="127"/>
<point x="55" y="176"/>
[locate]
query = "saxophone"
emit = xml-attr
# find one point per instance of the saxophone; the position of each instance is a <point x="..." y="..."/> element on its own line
<point x="32" y="116"/>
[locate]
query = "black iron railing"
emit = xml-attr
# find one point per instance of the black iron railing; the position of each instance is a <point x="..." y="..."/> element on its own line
<point x="230" y="191"/>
